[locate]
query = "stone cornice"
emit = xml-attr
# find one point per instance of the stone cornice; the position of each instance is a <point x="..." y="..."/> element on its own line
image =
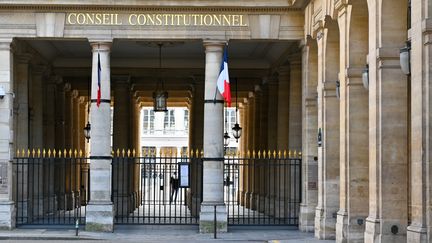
<point x="84" y="7"/>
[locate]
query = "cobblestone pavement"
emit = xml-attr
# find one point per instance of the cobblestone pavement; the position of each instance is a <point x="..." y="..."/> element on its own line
<point x="158" y="234"/>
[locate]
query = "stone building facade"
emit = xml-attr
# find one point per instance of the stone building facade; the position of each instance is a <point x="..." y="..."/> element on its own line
<point x="299" y="65"/>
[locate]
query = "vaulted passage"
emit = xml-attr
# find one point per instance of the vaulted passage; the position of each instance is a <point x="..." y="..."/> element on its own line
<point x="153" y="168"/>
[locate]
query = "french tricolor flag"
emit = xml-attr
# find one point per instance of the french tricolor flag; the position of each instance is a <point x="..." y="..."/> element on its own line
<point x="223" y="84"/>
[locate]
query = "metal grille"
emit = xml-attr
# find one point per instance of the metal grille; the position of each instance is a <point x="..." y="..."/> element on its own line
<point x="263" y="190"/>
<point x="50" y="188"/>
<point x="146" y="190"/>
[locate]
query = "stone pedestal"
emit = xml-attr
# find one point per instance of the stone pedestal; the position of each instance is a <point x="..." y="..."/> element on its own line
<point x="100" y="210"/>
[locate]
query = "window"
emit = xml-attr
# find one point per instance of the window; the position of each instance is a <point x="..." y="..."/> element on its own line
<point x="148" y="123"/>
<point x="169" y="121"/>
<point x="230" y="115"/>
<point x="186" y="120"/>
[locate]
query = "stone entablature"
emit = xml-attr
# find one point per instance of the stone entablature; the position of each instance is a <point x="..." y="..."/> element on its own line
<point x="107" y="23"/>
<point x="169" y="3"/>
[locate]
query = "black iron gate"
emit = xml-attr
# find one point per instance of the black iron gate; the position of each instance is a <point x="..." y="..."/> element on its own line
<point x="50" y="187"/>
<point x="263" y="188"/>
<point x="259" y="189"/>
<point x="154" y="189"/>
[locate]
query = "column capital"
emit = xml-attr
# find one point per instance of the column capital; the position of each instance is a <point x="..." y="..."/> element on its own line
<point x="67" y="87"/>
<point x="56" y="79"/>
<point x="120" y="81"/>
<point x="214" y="45"/>
<point x="83" y="99"/>
<point x="39" y="69"/>
<point x="340" y="5"/>
<point x="257" y="88"/>
<point x="272" y="80"/>
<point x="6" y="45"/>
<point x="283" y="71"/>
<point x="101" y="46"/>
<point x="75" y="94"/>
<point x="24" y="58"/>
<point x="295" y="60"/>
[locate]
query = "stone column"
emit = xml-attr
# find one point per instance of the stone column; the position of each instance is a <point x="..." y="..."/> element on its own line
<point x="283" y="108"/>
<point x="272" y="133"/>
<point x="75" y="166"/>
<point x="388" y="124"/>
<point x="421" y="76"/>
<point x="328" y="123"/>
<point x="309" y="139"/>
<point x="134" y="168"/>
<point x="37" y="107"/>
<point x="100" y="210"/>
<point x="295" y="135"/>
<point x="121" y="141"/>
<point x="59" y="114"/>
<point x="295" y="106"/>
<point x="67" y="116"/>
<point x="282" y="172"/>
<point x="36" y="130"/>
<point x="59" y="168"/>
<point x="65" y="197"/>
<point x="255" y="166"/>
<point x="213" y="144"/>
<point x="22" y="130"/>
<point x="243" y="147"/>
<point x="248" y="164"/>
<point x="264" y="171"/>
<point x="196" y="127"/>
<point x="82" y="170"/>
<point x="354" y="139"/>
<point x="7" y="206"/>
<point x="49" y="137"/>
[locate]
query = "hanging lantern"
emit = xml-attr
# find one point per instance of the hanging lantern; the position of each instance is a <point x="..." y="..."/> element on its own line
<point x="365" y="77"/>
<point x="160" y="101"/>
<point x="237" y="131"/>
<point x="338" y="90"/>
<point x="160" y="96"/>
<point x="404" y="58"/>
<point x="87" y="131"/>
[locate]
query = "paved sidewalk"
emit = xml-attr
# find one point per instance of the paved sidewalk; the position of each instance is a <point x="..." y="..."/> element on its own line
<point x="159" y="234"/>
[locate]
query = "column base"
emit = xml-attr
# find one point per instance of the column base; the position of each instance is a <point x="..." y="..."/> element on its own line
<point x="306" y="218"/>
<point x="248" y="197"/>
<point x="122" y="205"/>
<point x="416" y="234"/>
<point x="195" y="206"/>
<point x="7" y="215"/>
<point x="270" y="209"/>
<point x="50" y="205"/>
<point x="100" y="216"/>
<point x="325" y="225"/>
<point x="207" y="214"/>
<point x="281" y="208"/>
<point x="262" y="204"/>
<point x="38" y="207"/>
<point x="242" y="198"/>
<point x="342" y="227"/>
<point x="254" y="201"/>
<point x="373" y="232"/>
<point x="349" y="230"/>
